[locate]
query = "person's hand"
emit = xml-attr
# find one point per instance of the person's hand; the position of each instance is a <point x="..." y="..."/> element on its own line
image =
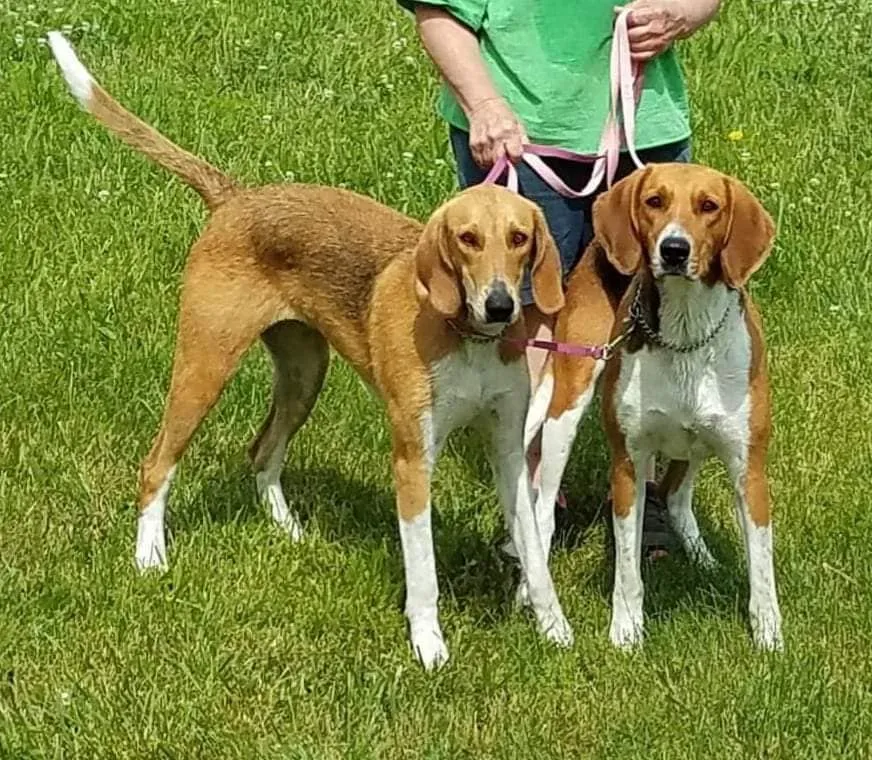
<point x="653" y="25"/>
<point x="494" y="132"/>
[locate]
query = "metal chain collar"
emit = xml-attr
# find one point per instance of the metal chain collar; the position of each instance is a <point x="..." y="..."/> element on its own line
<point x="471" y="335"/>
<point x="637" y="317"/>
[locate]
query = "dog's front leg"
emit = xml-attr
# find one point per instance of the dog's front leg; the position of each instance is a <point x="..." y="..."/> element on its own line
<point x="515" y="491"/>
<point x="751" y="485"/>
<point x="414" y="455"/>
<point x="628" y="511"/>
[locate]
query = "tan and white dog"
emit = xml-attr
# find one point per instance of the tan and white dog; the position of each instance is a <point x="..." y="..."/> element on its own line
<point x="415" y="310"/>
<point x="674" y="246"/>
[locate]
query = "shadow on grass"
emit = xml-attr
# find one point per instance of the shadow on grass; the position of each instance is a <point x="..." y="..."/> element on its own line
<point x="471" y="569"/>
<point x="471" y="566"/>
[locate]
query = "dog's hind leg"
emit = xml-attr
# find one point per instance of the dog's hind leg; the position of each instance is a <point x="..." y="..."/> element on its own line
<point x="677" y="490"/>
<point x="218" y="321"/>
<point x="300" y="356"/>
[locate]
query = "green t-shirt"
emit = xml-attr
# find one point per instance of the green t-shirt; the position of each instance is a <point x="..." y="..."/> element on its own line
<point x="550" y="60"/>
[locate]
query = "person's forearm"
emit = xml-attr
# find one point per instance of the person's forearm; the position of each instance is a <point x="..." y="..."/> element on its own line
<point x="453" y="47"/>
<point x="698" y="13"/>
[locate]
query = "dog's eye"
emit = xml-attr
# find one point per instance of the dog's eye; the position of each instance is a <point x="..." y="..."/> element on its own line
<point x="708" y="206"/>
<point x="468" y="238"/>
<point x="519" y="238"/>
<point x="655" y="201"/>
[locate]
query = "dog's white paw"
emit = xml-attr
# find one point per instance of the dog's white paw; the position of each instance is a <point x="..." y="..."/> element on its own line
<point x="554" y="626"/>
<point x="626" y="630"/>
<point x="701" y="556"/>
<point x="766" y="629"/>
<point x="151" y="549"/>
<point x="271" y="496"/>
<point x="151" y="561"/>
<point x="290" y="525"/>
<point x="429" y="648"/>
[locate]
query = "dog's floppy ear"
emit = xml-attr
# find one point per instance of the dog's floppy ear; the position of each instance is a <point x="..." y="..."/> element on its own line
<point x="615" y="222"/>
<point x="436" y="279"/>
<point x="749" y="237"/>
<point x="546" y="270"/>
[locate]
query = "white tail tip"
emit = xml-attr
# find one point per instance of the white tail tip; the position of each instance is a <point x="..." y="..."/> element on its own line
<point x="79" y="80"/>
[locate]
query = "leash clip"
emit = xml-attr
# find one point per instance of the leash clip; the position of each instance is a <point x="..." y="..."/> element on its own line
<point x="610" y="349"/>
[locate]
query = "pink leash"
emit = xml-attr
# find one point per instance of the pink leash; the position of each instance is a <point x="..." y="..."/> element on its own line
<point x="625" y="90"/>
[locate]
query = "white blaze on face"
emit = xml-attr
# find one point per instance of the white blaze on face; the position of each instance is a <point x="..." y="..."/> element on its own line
<point x="671" y="230"/>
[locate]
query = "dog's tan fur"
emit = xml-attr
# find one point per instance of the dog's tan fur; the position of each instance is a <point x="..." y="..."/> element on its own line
<point x="658" y="399"/>
<point x="729" y="246"/>
<point x="304" y="268"/>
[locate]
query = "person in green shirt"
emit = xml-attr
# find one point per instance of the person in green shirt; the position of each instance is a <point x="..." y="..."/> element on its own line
<point x="520" y="71"/>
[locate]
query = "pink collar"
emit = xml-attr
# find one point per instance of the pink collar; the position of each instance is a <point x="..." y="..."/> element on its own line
<point x="604" y="352"/>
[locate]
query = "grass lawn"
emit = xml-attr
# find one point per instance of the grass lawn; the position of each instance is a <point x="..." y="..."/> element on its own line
<point x="253" y="647"/>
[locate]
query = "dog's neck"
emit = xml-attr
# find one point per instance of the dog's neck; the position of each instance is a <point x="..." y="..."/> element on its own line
<point x="685" y="312"/>
<point x="691" y="310"/>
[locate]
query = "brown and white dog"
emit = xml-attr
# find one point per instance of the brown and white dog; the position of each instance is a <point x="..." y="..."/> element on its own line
<point x="415" y="310"/>
<point x="675" y="245"/>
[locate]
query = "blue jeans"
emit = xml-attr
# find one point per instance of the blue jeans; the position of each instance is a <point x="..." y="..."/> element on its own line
<point x="569" y="219"/>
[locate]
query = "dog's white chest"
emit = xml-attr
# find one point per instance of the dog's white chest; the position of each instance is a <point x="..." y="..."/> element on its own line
<point x="468" y="382"/>
<point x="687" y="406"/>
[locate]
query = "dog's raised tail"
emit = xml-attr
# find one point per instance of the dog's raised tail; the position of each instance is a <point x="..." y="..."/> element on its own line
<point x="211" y="183"/>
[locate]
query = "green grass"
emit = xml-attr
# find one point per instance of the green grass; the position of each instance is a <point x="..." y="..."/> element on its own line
<point x="252" y="647"/>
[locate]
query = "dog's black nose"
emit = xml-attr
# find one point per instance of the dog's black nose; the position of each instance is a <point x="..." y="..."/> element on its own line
<point x="499" y="305"/>
<point x="674" y="252"/>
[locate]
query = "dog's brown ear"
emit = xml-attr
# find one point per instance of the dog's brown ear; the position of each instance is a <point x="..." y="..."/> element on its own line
<point x="436" y="278"/>
<point x="546" y="270"/>
<point x="749" y="237"/>
<point x="615" y="224"/>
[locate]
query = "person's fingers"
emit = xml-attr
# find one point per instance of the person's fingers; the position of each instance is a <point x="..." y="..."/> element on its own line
<point x="494" y="133"/>
<point x="513" y="146"/>
<point x="650" y="45"/>
<point x="644" y="37"/>
<point x="641" y="33"/>
<point x="497" y="150"/>
<point x="639" y="17"/>
<point x="478" y="148"/>
<point x="643" y="57"/>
